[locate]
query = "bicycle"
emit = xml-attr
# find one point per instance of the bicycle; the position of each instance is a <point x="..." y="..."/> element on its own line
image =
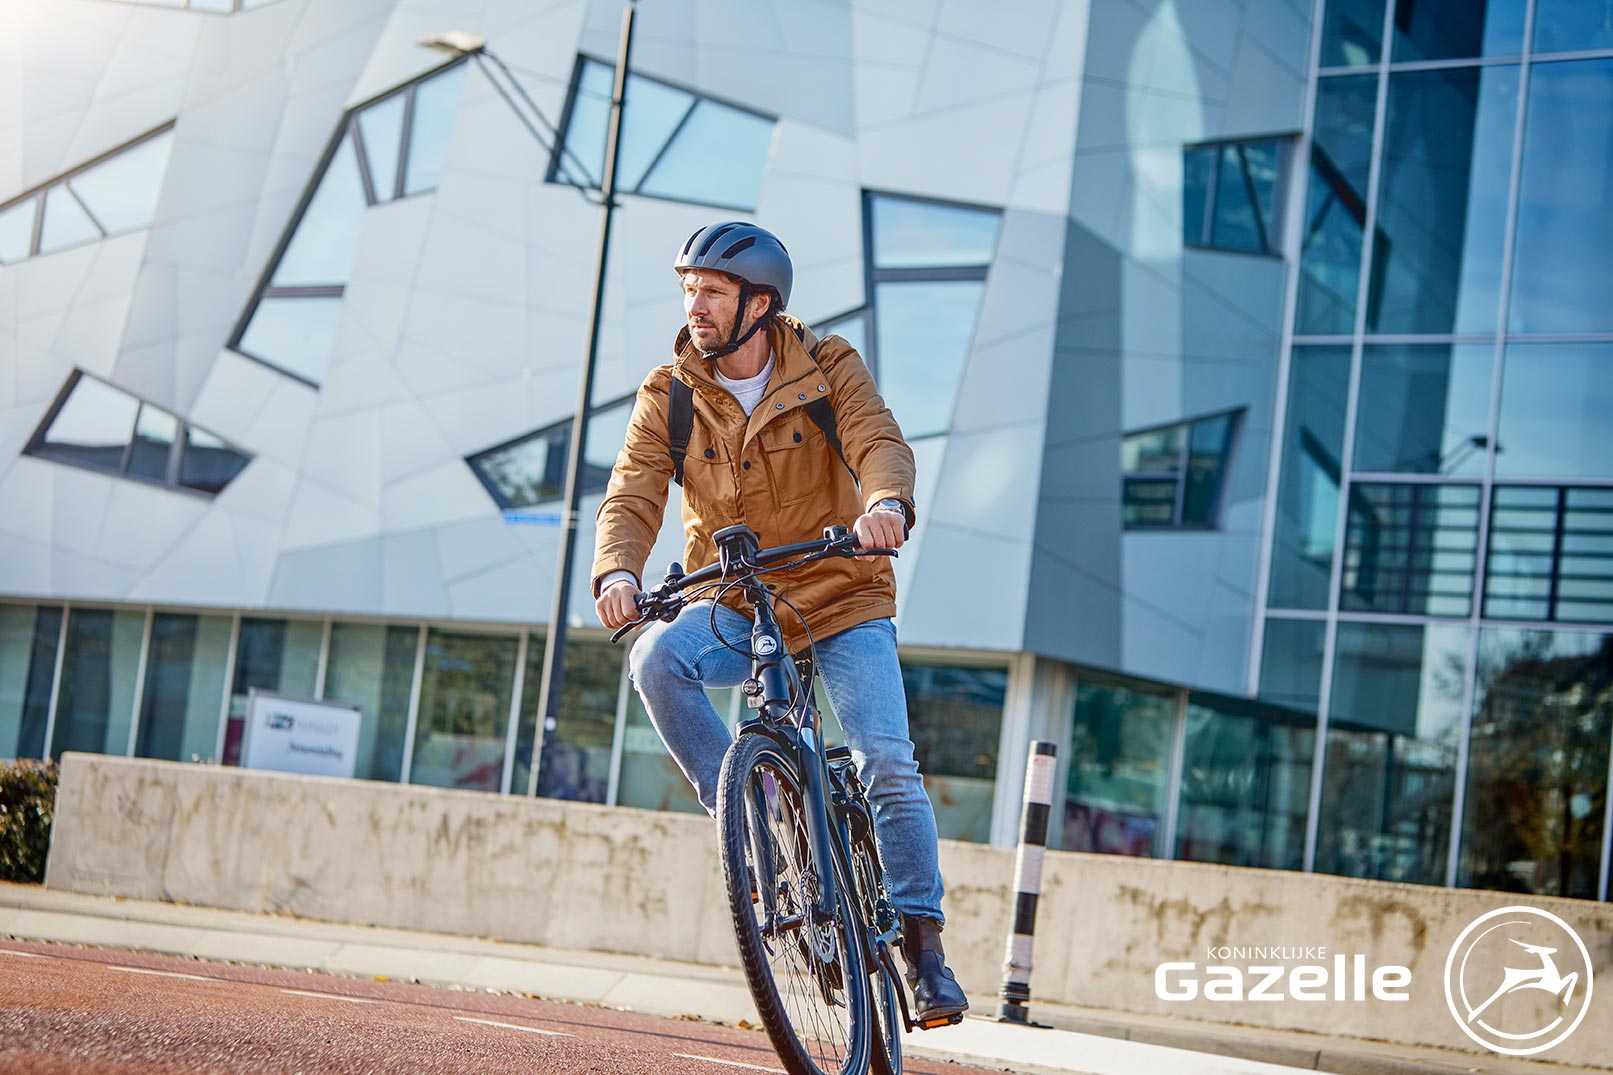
<point x="805" y="884"/>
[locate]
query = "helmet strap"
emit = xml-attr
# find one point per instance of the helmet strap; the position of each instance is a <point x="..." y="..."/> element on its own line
<point x="746" y="292"/>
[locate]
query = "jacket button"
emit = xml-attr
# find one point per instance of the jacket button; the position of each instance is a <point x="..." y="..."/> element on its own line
<point x="798" y="438"/>
<point x="821" y="388"/>
<point x="802" y="396"/>
<point x="710" y="454"/>
<point x="780" y="406"/>
<point x="747" y="464"/>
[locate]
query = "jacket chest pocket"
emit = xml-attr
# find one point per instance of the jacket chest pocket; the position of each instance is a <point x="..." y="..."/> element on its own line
<point x="708" y="479"/>
<point x="796" y="455"/>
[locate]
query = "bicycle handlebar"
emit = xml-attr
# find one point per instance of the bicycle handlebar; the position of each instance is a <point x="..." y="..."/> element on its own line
<point x="665" y="601"/>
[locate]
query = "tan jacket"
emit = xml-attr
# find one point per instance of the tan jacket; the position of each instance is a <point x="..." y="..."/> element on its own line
<point x="775" y="472"/>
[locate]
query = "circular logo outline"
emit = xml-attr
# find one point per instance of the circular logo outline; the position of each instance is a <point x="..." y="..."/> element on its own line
<point x="765" y="645"/>
<point x="1450" y="998"/>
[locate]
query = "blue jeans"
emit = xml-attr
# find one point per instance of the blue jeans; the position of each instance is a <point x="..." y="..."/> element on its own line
<point x="672" y="664"/>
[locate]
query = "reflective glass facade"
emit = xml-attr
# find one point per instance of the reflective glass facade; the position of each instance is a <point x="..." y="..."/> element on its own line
<point x="1446" y="459"/>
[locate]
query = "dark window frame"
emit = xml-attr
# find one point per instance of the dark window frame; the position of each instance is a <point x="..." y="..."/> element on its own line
<point x="1271" y="232"/>
<point x="873" y="275"/>
<point x="560" y="426"/>
<point x="347" y="128"/>
<point x="38" y="192"/>
<point x="588" y="182"/>
<point x="1234" y="416"/>
<point x="39" y="449"/>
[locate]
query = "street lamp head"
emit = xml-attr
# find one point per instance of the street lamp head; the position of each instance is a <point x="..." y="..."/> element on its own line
<point x="458" y="42"/>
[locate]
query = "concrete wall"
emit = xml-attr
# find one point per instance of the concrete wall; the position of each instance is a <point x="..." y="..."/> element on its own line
<point x="583" y="876"/>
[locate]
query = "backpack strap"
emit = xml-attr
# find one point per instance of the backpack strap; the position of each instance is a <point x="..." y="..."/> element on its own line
<point x="822" y="413"/>
<point x="679" y="421"/>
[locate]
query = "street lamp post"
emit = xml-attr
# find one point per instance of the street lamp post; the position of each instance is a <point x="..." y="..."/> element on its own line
<point x="554" y="653"/>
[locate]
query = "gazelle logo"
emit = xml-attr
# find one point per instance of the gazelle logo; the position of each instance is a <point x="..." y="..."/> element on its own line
<point x="1524" y="952"/>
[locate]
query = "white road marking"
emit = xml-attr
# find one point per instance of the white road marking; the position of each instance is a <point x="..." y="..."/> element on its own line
<point x="512" y="1026"/>
<point x="728" y="1063"/>
<point x="22" y="955"/>
<point x="327" y="996"/>
<point x="161" y="973"/>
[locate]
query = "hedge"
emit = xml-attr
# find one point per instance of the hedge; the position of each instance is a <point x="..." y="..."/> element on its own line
<point x="27" y="808"/>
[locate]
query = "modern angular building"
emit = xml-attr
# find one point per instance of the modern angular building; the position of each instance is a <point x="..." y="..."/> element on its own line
<point x="1257" y="356"/>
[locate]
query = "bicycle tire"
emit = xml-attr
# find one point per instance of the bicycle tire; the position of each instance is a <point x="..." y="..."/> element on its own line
<point x="886" y="1005"/>
<point x="809" y="982"/>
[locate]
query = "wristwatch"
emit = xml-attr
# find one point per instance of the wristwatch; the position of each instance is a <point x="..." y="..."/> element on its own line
<point x="891" y="504"/>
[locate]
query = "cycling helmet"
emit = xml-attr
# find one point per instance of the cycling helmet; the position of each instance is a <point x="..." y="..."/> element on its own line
<point x="749" y="253"/>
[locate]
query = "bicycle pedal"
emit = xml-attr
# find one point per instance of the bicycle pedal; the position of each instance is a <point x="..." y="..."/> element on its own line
<point x="940" y="1021"/>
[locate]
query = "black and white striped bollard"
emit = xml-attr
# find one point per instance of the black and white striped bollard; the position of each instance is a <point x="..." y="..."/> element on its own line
<point x="1016" y="991"/>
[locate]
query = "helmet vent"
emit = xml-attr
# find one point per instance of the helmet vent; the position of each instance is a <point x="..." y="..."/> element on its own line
<point x="711" y="240"/>
<point x="739" y="247"/>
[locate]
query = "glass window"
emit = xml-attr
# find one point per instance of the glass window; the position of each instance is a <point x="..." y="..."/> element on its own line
<point x="577" y="748"/>
<point x="1352" y="33"/>
<point x="533" y="469"/>
<point x="1394" y="728"/>
<point x="66" y="222"/>
<point x="851" y="327"/>
<point x="1308" y="485"/>
<point x="122" y="191"/>
<point x="1550" y="554"/>
<point x="1572" y="25"/>
<point x="381" y="130"/>
<point x="271" y="655"/>
<point x="650" y="779"/>
<point x="910" y="233"/>
<point x="684" y="170"/>
<point x="1537" y="763"/>
<point x="955" y="717"/>
<point x="666" y="144"/>
<point x="1246" y="780"/>
<point x="94" y="426"/>
<point x="371" y="665"/>
<point x="154" y="434"/>
<point x="1114" y="800"/>
<point x="93" y="429"/>
<point x="1411" y="549"/>
<point x="1291" y="663"/>
<point x="296" y="334"/>
<point x="322" y="248"/>
<point x="29" y="635"/>
<point x="208" y="464"/>
<point x="17" y="230"/>
<point x="1442" y="201"/>
<point x="1336" y="205"/>
<point x="464" y="710"/>
<point x="436" y="104"/>
<point x="1171" y="477"/>
<point x="924" y="332"/>
<point x="1562" y="270"/>
<point x="184" y="695"/>
<point x="1424" y="409"/>
<point x="1229" y="195"/>
<point x="1556" y="411"/>
<point x="96" y="702"/>
<point x="1455" y="29"/>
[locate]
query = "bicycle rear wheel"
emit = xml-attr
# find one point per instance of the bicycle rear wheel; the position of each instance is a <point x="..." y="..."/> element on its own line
<point x="808" y="977"/>
<point x="884" y="980"/>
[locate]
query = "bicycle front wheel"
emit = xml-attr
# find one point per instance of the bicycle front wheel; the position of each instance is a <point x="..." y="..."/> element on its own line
<point x="807" y="974"/>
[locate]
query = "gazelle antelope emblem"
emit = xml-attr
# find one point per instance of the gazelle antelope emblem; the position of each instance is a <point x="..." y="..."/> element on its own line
<point x="1546" y="977"/>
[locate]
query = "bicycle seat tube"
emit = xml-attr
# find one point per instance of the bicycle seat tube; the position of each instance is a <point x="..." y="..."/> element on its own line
<point x="775" y="668"/>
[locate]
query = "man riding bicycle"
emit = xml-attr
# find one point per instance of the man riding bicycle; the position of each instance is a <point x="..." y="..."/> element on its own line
<point x="760" y="448"/>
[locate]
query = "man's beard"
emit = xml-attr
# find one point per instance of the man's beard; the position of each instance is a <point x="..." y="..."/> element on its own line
<point x="721" y="334"/>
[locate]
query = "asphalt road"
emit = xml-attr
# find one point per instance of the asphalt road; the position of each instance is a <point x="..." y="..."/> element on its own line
<point x="85" y="1011"/>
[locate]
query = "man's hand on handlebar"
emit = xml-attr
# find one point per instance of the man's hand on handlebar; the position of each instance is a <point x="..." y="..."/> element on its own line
<point x="617" y="605"/>
<point x="879" y="530"/>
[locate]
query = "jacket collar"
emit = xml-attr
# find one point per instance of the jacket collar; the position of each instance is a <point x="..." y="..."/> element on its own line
<point x="792" y="363"/>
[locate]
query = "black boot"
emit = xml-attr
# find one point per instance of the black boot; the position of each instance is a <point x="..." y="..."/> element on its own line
<point x="938" y="1000"/>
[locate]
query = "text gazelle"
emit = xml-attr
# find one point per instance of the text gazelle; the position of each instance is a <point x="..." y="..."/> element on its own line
<point x="1346" y="978"/>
